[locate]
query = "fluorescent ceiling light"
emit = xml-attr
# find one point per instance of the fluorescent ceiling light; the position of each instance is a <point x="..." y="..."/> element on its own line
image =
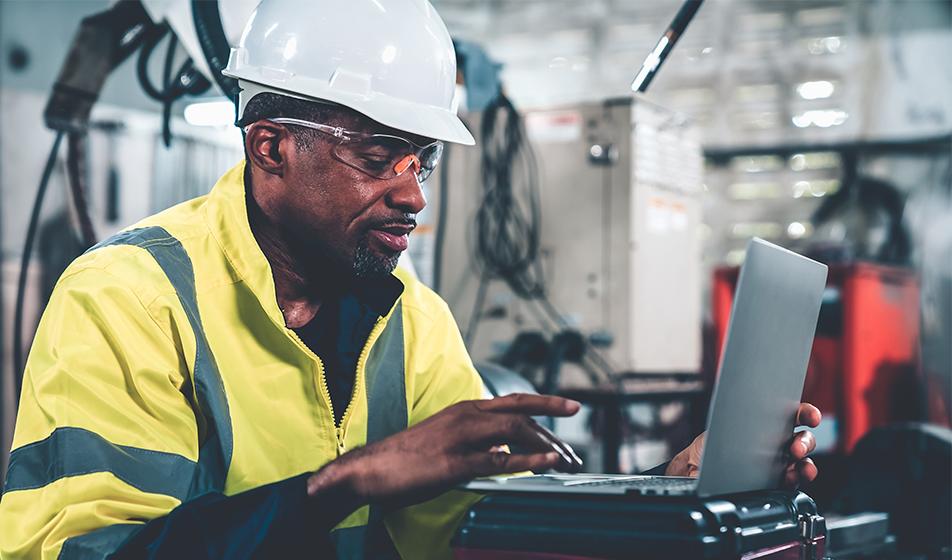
<point x="822" y="119"/>
<point x="796" y="230"/>
<point x="210" y="113"/>
<point x="820" y="89"/>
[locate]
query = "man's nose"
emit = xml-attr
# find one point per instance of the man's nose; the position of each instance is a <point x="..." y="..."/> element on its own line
<point x="406" y="193"/>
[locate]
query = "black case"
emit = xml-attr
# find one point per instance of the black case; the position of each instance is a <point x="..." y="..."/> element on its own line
<point x="749" y="525"/>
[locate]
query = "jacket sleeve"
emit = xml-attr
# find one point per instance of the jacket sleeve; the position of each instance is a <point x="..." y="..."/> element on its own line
<point x="105" y="436"/>
<point x="106" y="443"/>
<point x="443" y="373"/>
<point x="275" y="521"/>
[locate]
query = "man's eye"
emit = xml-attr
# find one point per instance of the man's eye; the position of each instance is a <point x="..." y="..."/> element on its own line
<point x="371" y="157"/>
<point x="374" y="162"/>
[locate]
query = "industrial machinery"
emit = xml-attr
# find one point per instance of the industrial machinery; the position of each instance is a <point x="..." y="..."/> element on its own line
<point x="618" y="198"/>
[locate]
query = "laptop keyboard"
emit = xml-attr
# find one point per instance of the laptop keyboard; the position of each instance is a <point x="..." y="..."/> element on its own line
<point x="659" y="484"/>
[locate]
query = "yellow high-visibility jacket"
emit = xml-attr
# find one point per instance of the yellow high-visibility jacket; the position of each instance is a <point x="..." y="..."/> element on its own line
<point x="162" y="369"/>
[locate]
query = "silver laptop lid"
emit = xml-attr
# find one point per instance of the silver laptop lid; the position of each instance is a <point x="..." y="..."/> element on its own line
<point x="762" y="370"/>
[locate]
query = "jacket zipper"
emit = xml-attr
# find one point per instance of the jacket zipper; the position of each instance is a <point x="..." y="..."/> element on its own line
<point x="358" y="378"/>
<point x="338" y="430"/>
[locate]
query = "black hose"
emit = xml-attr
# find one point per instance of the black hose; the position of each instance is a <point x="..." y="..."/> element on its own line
<point x="76" y="173"/>
<point x="214" y="44"/>
<point x="142" y="63"/>
<point x="186" y="81"/>
<point x="18" y="362"/>
<point x="167" y="87"/>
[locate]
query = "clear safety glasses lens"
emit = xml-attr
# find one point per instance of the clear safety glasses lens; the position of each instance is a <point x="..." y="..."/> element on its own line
<point x="381" y="155"/>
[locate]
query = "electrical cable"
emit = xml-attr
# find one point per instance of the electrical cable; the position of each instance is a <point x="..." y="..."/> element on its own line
<point x="507" y="234"/>
<point x="76" y="174"/>
<point x="18" y="362"/>
<point x="506" y="239"/>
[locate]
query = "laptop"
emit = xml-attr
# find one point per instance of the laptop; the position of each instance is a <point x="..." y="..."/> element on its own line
<point x="756" y="396"/>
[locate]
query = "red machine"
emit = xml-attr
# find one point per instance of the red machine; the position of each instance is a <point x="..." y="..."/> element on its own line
<point x="863" y="369"/>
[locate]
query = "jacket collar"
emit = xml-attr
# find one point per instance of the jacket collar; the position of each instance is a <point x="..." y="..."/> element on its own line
<point x="226" y="214"/>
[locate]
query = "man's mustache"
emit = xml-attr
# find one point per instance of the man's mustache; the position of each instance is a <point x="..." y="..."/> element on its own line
<point x="406" y="220"/>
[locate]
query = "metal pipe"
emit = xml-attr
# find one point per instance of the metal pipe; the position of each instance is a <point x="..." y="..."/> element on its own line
<point x="661" y="51"/>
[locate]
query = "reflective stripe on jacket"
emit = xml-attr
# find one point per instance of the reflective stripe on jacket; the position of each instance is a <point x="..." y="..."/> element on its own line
<point x="162" y="369"/>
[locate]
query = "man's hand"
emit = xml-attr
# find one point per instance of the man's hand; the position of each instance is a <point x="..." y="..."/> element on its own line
<point x="800" y="470"/>
<point x="459" y="443"/>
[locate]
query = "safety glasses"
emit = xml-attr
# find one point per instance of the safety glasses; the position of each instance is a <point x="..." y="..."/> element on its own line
<point x="382" y="156"/>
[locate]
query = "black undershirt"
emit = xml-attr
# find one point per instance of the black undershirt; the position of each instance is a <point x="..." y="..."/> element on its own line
<point x="338" y="332"/>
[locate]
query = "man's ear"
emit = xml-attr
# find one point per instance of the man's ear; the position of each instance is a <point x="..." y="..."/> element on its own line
<point x="266" y="144"/>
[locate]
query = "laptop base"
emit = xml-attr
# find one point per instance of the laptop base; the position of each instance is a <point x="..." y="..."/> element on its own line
<point x="767" y="525"/>
<point x="597" y="484"/>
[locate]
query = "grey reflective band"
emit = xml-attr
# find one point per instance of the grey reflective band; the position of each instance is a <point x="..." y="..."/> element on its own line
<point x="75" y="451"/>
<point x="99" y="543"/>
<point x="385" y="375"/>
<point x="386" y="381"/>
<point x="214" y="456"/>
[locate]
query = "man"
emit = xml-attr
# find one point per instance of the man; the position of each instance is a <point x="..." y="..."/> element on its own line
<point x="235" y="376"/>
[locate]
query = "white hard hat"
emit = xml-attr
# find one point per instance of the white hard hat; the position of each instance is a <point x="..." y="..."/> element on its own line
<point x="391" y="60"/>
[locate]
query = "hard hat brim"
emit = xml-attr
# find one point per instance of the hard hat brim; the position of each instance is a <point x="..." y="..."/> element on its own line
<point x="431" y="122"/>
<point x="423" y="120"/>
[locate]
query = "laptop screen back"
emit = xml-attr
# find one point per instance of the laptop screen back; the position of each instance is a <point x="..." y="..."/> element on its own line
<point x="762" y="370"/>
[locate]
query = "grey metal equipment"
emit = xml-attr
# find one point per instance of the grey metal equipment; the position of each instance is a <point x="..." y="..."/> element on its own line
<point x="639" y="169"/>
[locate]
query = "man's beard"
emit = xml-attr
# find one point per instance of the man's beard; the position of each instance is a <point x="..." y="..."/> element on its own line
<point x="368" y="264"/>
